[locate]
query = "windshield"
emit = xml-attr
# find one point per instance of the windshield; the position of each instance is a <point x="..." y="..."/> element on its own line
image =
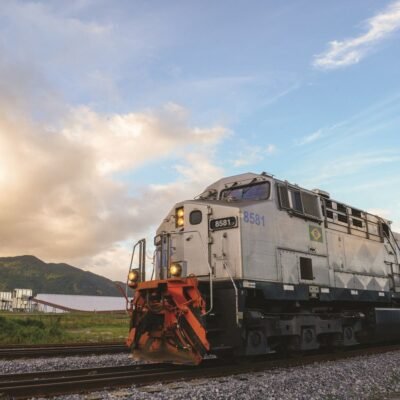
<point x="255" y="191"/>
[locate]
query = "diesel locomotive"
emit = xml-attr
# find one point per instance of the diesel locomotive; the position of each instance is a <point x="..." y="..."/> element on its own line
<point x="255" y="265"/>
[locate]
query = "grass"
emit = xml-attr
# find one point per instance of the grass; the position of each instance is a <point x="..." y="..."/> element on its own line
<point x="42" y="328"/>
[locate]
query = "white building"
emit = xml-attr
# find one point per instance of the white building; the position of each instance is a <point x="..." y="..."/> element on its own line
<point x="5" y="301"/>
<point x="21" y="299"/>
<point x="66" y="303"/>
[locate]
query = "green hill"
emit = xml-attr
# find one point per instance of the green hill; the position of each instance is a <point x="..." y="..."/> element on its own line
<point x="30" y="272"/>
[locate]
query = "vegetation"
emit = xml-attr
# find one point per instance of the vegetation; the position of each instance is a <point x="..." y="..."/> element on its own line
<point x="41" y="328"/>
<point x="30" y="272"/>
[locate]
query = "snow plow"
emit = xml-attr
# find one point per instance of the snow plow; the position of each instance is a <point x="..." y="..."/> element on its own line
<point x="166" y="322"/>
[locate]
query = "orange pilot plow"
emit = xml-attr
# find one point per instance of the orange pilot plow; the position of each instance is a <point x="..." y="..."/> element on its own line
<point x="166" y="322"/>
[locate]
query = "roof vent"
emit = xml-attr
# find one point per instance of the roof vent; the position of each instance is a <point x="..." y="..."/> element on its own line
<point x="263" y="173"/>
<point x="322" y="193"/>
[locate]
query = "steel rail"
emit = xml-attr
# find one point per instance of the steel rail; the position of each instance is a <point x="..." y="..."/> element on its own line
<point x="78" y="381"/>
<point x="72" y="381"/>
<point x="12" y="352"/>
<point x="34" y="376"/>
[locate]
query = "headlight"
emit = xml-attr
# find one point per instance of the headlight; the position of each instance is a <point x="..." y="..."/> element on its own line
<point x="180" y="221"/>
<point x="179" y="217"/>
<point x="175" y="269"/>
<point x="133" y="277"/>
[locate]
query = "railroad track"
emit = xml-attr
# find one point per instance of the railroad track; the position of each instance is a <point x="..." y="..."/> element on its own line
<point x="84" y="380"/>
<point x="70" y="381"/>
<point x="11" y="352"/>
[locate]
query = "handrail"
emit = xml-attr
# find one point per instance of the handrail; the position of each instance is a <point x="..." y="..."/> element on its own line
<point x="225" y="264"/>
<point x="395" y="255"/>
<point x="394" y="239"/>
<point x="391" y="245"/>
<point x="129" y="270"/>
<point x="142" y="263"/>
<point x="165" y="254"/>
<point x="226" y="267"/>
<point x="363" y="218"/>
<point x="154" y="263"/>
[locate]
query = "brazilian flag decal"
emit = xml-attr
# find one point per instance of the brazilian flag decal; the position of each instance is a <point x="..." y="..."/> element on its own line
<point x="315" y="233"/>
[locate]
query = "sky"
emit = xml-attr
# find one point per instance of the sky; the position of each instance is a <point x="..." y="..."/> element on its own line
<point x="111" y="112"/>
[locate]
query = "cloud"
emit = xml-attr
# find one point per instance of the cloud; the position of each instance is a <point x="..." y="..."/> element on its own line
<point x="351" y="165"/>
<point x="72" y="175"/>
<point x="63" y="197"/>
<point x="360" y="128"/>
<point x="92" y="53"/>
<point x="253" y="154"/>
<point x="150" y="206"/>
<point x="310" y="138"/>
<point x="351" y="51"/>
<point x="221" y="82"/>
<point x="49" y="34"/>
<point x="123" y="142"/>
<point x="271" y="149"/>
<point x="198" y="168"/>
<point x="278" y="96"/>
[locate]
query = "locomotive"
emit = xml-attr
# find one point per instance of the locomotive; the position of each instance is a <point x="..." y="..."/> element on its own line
<point x="255" y="265"/>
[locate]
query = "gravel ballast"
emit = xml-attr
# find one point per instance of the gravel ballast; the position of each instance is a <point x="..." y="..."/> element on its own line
<point x="59" y="363"/>
<point x="374" y="377"/>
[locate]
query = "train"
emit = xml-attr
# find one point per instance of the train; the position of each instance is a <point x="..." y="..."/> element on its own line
<point x="257" y="265"/>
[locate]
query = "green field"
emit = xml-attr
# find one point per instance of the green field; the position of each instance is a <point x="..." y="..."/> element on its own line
<point x="41" y="328"/>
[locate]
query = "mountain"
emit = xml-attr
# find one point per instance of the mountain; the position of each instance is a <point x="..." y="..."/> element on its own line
<point x="28" y="272"/>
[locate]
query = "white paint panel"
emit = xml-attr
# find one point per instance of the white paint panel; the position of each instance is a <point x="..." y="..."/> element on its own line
<point x="288" y="263"/>
<point x="258" y="242"/>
